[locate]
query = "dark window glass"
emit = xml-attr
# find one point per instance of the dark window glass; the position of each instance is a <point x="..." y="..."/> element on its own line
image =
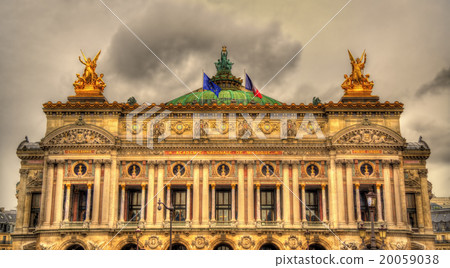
<point x="223" y="205"/>
<point x="35" y="209"/>
<point x="312" y="205"/>
<point x="223" y="247"/>
<point x="411" y="209"/>
<point x="134" y="204"/>
<point x="79" y="203"/>
<point x="268" y="205"/>
<point x="179" y="205"/>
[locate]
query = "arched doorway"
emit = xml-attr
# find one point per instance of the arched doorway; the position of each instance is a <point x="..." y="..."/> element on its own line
<point x="269" y="246"/>
<point x="75" y="247"/>
<point x="316" y="247"/>
<point x="178" y="246"/>
<point x="223" y="246"/>
<point x="129" y="246"/>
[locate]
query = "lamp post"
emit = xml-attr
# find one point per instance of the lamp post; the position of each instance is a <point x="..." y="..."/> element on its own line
<point x="138" y="235"/>
<point x="308" y="237"/>
<point x="362" y="233"/>
<point x="383" y="232"/>
<point x="171" y="210"/>
<point x="372" y="203"/>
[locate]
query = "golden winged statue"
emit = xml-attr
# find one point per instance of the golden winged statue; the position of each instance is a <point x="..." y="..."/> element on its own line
<point x="357" y="79"/>
<point x="89" y="80"/>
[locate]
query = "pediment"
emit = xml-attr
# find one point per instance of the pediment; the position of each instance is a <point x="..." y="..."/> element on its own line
<point x="79" y="135"/>
<point x="367" y="135"/>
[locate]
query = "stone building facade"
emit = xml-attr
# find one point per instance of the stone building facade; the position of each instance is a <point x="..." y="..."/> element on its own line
<point x="241" y="172"/>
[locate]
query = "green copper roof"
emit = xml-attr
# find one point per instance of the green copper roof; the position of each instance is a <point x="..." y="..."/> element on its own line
<point x="225" y="97"/>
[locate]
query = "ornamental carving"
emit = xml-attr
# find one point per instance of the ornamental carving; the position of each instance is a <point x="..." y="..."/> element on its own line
<point x="179" y="127"/>
<point x="349" y="246"/>
<point x="158" y="129"/>
<point x="79" y="136"/>
<point x="268" y="127"/>
<point x="246" y="242"/>
<point x="200" y="242"/>
<point x="221" y="126"/>
<point x="400" y="245"/>
<point x="153" y="242"/>
<point x="292" y="242"/>
<point x="365" y="136"/>
<point x="34" y="178"/>
<point x="96" y="245"/>
<point x="245" y="131"/>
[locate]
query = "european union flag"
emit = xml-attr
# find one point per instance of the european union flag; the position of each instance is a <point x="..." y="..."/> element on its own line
<point x="210" y="85"/>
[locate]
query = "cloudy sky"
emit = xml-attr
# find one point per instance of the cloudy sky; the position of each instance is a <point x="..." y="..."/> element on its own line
<point x="406" y="44"/>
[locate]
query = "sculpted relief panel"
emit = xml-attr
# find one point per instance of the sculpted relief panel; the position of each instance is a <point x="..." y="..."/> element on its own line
<point x="366" y="136"/>
<point x="79" y="136"/>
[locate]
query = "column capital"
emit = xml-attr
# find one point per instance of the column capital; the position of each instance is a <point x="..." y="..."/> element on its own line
<point x="240" y="163"/>
<point x="196" y="163"/>
<point x="303" y="185"/>
<point x="213" y="185"/>
<point x="168" y="186"/>
<point x="143" y="185"/>
<point x="258" y="185"/>
<point x="340" y="163"/>
<point x="386" y="163"/>
<point x="285" y="162"/>
<point x="278" y="185"/>
<point x="98" y="161"/>
<point x="60" y="162"/>
<point x="250" y="162"/>
<point x="68" y="185"/>
<point x="107" y="162"/>
<point x="233" y="185"/>
<point x="357" y="185"/>
<point x="323" y="185"/>
<point x="89" y="185"/>
<point x="378" y="185"/>
<point x="24" y="172"/>
<point x="348" y="162"/>
<point x="205" y="162"/>
<point x="122" y="185"/>
<point x="51" y="161"/>
<point x="160" y="163"/>
<point x="151" y="162"/>
<point x="396" y="163"/>
<point x="423" y="172"/>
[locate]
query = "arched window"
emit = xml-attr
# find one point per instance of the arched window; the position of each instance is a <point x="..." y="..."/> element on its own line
<point x="223" y="246"/>
<point x="129" y="246"/>
<point x="268" y="246"/>
<point x="75" y="247"/>
<point x="178" y="246"/>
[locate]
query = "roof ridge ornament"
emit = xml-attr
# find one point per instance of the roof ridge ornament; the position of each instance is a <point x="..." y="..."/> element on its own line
<point x="80" y="121"/>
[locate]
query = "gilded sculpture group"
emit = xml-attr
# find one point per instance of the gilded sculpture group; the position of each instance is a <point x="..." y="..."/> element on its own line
<point x="357" y="77"/>
<point x="90" y="77"/>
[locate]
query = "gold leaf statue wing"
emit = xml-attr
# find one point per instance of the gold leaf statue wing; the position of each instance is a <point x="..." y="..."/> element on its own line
<point x="96" y="57"/>
<point x="351" y="56"/>
<point x="84" y="57"/>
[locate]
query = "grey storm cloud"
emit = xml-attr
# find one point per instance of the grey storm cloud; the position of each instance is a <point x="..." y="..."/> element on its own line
<point x="440" y="84"/>
<point x="191" y="36"/>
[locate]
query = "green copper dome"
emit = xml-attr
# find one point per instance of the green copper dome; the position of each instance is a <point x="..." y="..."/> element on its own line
<point x="232" y="90"/>
<point x="225" y="97"/>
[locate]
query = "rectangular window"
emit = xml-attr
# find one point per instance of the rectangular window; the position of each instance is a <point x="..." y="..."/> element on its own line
<point x="411" y="209"/>
<point x="134" y="204"/>
<point x="179" y="205"/>
<point x="267" y="205"/>
<point x="312" y="205"/>
<point x="223" y="205"/>
<point x="35" y="209"/>
<point x="79" y="203"/>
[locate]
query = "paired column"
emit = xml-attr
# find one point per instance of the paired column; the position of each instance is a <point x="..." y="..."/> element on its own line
<point x="425" y="201"/>
<point x="196" y="199"/>
<point x="250" y="194"/>
<point x="114" y="191"/>
<point x="286" y="194"/>
<point x="258" y="202"/>
<point x="398" y="206"/>
<point x="168" y="201"/>
<point x="122" y="203"/>
<point x="340" y="193"/>
<point x="88" y="203"/>
<point x="303" y="202"/>
<point x="96" y="204"/>
<point x="233" y="202"/>
<point x="358" y="203"/>
<point x="419" y="208"/>
<point x="160" y="190"/>
<point x="106" y="192"/>
<point x="213" y="200"/>
<point x="150" y="193"/>
<point x="324" y="203"/>
<point x="332" y="190"/>
<point x="295" y="190"/>
<point x="59" y="193"/>
<point x="350" y="202"/>
<point x="379" y="209"/>
<point x="21" y="200"/>
<point x="44" y="192"/>
<point x="387" y="194"/>
<point x="142" y="213"/>
<point x="205" y="194"/>
<point x="49" y="193"/>
<point x="241" y="194"/>
<point x="278" y="203"/>
<point x="67" y="204"/>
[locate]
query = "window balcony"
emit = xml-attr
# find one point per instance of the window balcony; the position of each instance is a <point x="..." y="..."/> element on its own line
<point x="75" y="225"/>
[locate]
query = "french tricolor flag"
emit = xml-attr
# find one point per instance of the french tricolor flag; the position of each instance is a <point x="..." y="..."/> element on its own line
<point x="249" y="86"/>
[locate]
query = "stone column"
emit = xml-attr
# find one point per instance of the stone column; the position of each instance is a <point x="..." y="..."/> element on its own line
<point x="258" y="202"/>
<point x="388" y="216"/>
<point x="21" y="200"/>
<point x="160" y="190"/>
<point x="205" y="194"/>
<point x="332" y="190"/>
<point x="340" y="193"/>
<point x="27" y="212"/>
<point x="67" y="204"/>
<point x="196" y="194"/>
<point x="233" y="202"/>
<point x="114" y="191"/>
<point x="106" y="192"/>
<point x="49" y="194"/>
<point x="419" y="211"/>
<point x="88" y="202"/>
<point x="425" y="201"/>
<point x="213" y="201"/>
<point x="150" y="194"/>
<point x="250" y="194"/>
<point x="59" y="193"/>
<point x="188" y="202"/>
<point x="403" y="193"/>
<point x="296" y="195"/>
<point x="358" y="203"/>
<point x="44" y="192"/>
<point x="96" y="201"/>
<point x="286" y="195"/>
<point x="278" y="203"/>
<point x="303" y="202"/>
<point x="122" y="203"/>
<point x="398" y="204"/>
<point x="143" y="204"/>
<point x="168" y="201"/>
<point x="350" y="198"/>
<point x="379" y="209"/>
<point x="241" y="194"/>
<point x="324" y="203"/>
